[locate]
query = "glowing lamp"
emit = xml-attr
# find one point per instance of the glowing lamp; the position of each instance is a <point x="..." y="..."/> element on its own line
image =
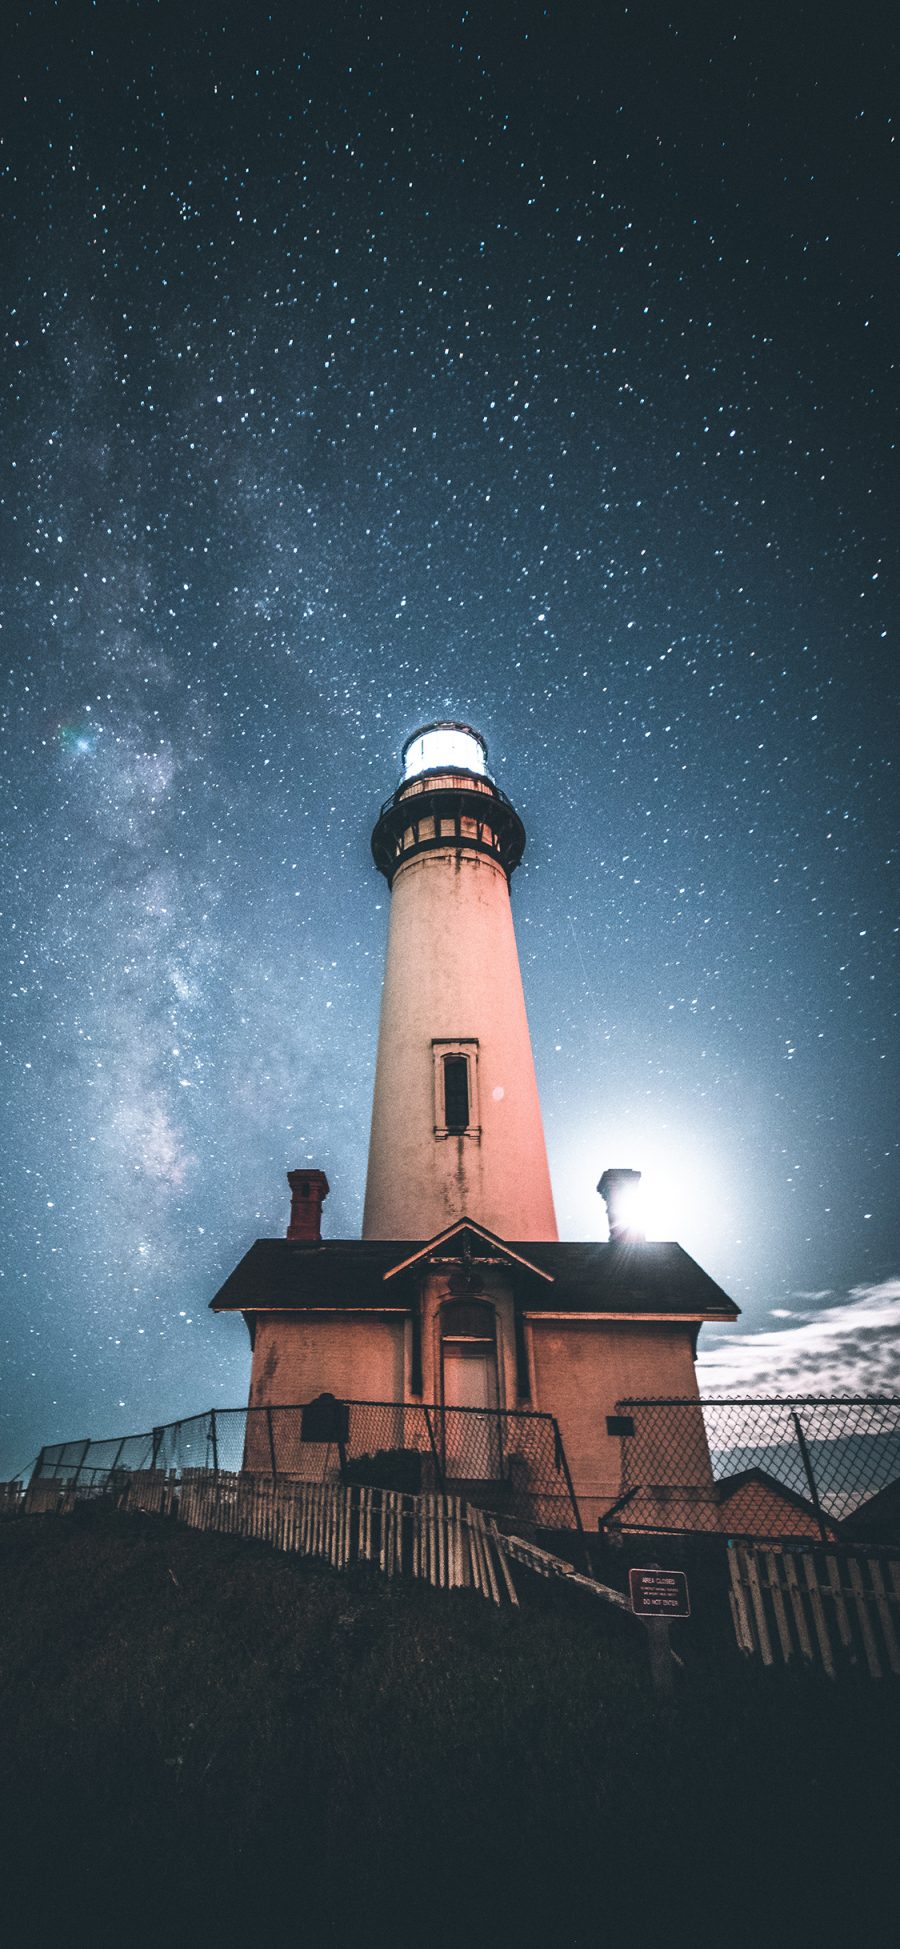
<point x="444" y="747"/>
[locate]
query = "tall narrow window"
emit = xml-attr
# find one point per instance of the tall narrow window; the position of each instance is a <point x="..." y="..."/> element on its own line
<point x="455" y="1061"/>
<point x="456" y="1093"/>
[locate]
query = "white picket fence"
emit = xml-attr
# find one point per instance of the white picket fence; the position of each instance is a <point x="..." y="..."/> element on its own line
<point x="825" y="1607"/>
<point x="437" y="1538"/>
<point x="440" y="1539"/>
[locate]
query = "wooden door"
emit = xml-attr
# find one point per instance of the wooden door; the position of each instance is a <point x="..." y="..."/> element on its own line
<point x="471" y="1440"/>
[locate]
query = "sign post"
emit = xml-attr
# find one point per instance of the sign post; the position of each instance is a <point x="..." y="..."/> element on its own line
<point x="656" y="1597"/>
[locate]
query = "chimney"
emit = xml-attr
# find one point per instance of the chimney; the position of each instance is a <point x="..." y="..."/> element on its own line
<point x="309" y="1189"/>
<point x="619" y="1190"/>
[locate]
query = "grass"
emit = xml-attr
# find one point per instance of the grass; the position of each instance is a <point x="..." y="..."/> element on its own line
<point x="202" y="1740"/>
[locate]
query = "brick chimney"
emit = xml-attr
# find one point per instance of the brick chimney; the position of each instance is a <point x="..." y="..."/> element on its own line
<point x="619" y="1191"/>
<point x="309" y="1189"/>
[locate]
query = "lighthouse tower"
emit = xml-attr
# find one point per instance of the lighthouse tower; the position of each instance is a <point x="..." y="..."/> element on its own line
<point x="456" y="1121"/>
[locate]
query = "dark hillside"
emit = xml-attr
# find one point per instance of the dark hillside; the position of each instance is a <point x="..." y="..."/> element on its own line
<point x="203" y="1741"/>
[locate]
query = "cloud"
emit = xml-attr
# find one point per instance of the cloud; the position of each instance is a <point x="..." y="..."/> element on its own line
<point x="849" y="1347"/>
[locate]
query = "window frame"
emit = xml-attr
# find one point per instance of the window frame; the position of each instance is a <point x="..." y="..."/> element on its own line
<point x="465" y="1046"/>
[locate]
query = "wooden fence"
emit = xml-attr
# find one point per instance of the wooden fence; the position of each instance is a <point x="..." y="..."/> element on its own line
<point x="437" y="1538"/>
<point x="827" y="1607"/>
<point x="48" y="1497"/>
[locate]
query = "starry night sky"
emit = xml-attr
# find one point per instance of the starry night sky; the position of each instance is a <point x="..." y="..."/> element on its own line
<point x="529" y="364"/>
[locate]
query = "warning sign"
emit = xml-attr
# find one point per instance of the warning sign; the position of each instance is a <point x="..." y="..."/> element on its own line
<point x="659" y="1593"/>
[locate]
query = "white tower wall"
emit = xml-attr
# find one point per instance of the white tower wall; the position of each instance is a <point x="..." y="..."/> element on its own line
<point x="452" y="985"/>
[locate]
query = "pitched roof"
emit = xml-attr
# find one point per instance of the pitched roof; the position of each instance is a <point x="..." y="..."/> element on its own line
<point x="750" y="1493"/>
<point x="878" y="1518"/>
<point x="611" y="1277"/>
<point x="728" y="1486"/>
<point x="280" y="1274"/>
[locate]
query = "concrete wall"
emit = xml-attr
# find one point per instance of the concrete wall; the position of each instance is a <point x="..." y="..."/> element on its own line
<point x="355" y="1356"/>
<point x="579" y="1369"/>
<point x="452" y="972"/>
<point x="582" y="1368"/>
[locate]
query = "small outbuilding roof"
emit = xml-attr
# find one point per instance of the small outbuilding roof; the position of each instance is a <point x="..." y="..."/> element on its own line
<point x="877" y="1520"/>
<point x="613" y="1280"/>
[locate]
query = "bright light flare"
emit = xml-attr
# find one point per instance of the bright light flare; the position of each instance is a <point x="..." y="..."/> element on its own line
<point x="669" y="1203"/>
<point x="629" y="1208"/>
<point x="687" y="1191"/>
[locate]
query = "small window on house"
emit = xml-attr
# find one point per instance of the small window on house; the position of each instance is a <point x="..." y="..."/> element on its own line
<point x="456" y="1093"/>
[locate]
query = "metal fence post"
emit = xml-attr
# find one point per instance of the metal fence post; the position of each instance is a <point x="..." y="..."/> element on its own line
<point x="271" y="1443"/>
<point x="213" y="1436"/>
<point x="810" y="1477"/>
<point x="500" y="1450"/>
<point x="437" y="1460"/>
<point x="110" y="1473"/>
<point x="81" y="1462"/>
<point x="563" y="1460"/>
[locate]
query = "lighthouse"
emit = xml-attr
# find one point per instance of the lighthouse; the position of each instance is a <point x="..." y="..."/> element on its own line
<point x="459" y="1333"/>
<point x="456" y="1120"/>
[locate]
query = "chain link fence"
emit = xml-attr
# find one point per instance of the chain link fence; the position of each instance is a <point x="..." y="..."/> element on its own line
<point x="759" y="1468"/>
<point x="813" y="1468"/>
<point x="510" y="1462"/>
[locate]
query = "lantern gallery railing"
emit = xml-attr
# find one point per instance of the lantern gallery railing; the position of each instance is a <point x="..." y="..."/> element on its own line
<point x="511" y="1462"/>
